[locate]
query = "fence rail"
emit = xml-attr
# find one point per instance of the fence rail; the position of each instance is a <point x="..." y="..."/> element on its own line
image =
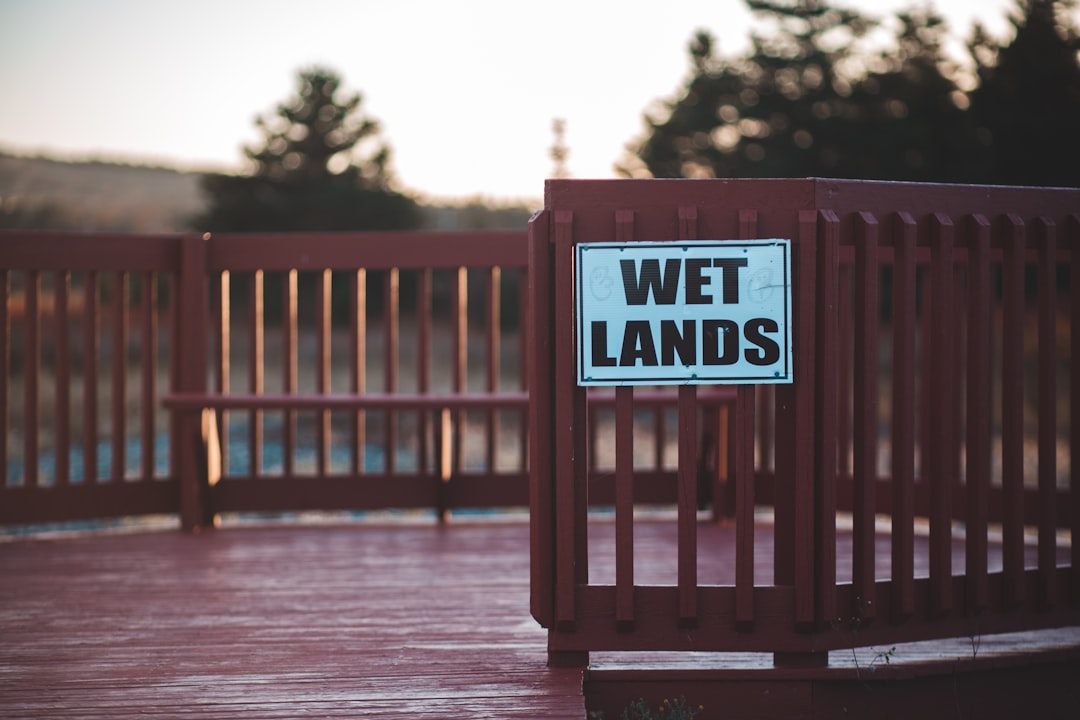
<point x="919" y="475"/>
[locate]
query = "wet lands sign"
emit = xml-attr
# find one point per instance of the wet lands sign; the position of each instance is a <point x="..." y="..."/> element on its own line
<point x="687" y="312"/>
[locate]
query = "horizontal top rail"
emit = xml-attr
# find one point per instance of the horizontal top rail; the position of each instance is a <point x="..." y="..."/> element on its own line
<point x="372" y="250"/>
<point x="86" y="252"/>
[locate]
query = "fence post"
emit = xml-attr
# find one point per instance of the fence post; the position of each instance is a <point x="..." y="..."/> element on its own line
<point x="190" y="338"/>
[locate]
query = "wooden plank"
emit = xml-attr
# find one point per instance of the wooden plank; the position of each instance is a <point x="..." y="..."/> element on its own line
<point x="5" y="369"/>
<point x="624" y="504"/>
<point x="358" y="362"/>
<point x="148" y="367"/>
<point x="942" y="448"/>
<point x="406" y="250"/>
<point x="803" y="516"/>
<point x="256" y="367"/>
<point x="62" y="333"/>
<point x="31" y="376"/>
<point x="979" y="412"/>
<point x="1047" y="404"/>
<point x="744" y="506"/>
<point x="826" y="417"/>
<point x="1074" y="402"/>
<point x="118" y="391"/>
<point x="866" y="367"/>
<point x="687" y="504"/>
<point x="323" y="290"/>
<point x="391" y="360"/>
<point x="1012" y="407"/>
<point x="903" y="418"/>
<point x="221" y="292"/>
<point x="91" y="322"/>
<point x="289" y="340"/>
<point x="538" y="354"/>
<point x="119" y="626"/>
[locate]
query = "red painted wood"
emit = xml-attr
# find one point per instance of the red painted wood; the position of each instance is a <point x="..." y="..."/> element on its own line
<point x="148" y="400"/>
<point x="190" y="313"/>
<point x="351" y="621"/>
<point x="118" y="391"/>
<point x="221" y="297"/>
<point x="289" y="337"/>
<point x="943" y="383"/>
<point x="569" y="538"/>
<point x="744" y="506"/>
<point x="358" y="361"/>
<point x="903" y="417"/>
<point x="624" y="504"/>
<point x="5" y="369"/>
<point x="323" y="289"/>
<point x="391" y="359"/>
<point x="540" y="342"/>
<point x="278" y="252"/>
<point x="803" y="516"/>
<point x="459" y="367"/>
<point x="423" y="360"/>
<point x="91" y="323"/>
<point x="61" y="332"/>
<point x="1012" y="406"/>
<point x="32" y="364"/>
<point x="979" y="411"/>
<point x="866" y="366"/>
<point x="825" y="419"/>
<point x="687" y="504"/>
<point x="1046" y="232"/>
<point x="1074" y="400"/>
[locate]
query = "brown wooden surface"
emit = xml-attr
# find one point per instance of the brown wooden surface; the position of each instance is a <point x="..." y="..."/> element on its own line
<point x="391" y="620"/>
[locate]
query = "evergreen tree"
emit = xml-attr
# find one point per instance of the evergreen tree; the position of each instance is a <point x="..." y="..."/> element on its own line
<point x="1027" y="104"/>
<point x="320" y="166"/>
<point x="809" y="101"/>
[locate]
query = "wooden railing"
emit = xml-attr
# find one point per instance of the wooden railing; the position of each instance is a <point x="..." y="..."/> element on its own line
<point x="193" y="375"/>
<point x="933" y="416"/>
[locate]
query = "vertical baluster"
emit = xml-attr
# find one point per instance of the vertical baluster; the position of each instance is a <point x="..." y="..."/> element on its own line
<point x="624" y="472"/>
<point x="744" y="505"/>
<point x="979" y="413"/>
<point x="390" y="363"/>
<point x="63" y="378"/>
<point x="493" y="338"/>
<point x="1074" y="402"/>
<point x="223" y="332"/>
<point x="31" y="370"/>
<point x="358" y="363"/>
<point x="1012" y="412"/>
<point x="459" y="366"/>
<point x="687" y="503"/>
<point x="323" y="287"/>
<point x="843" y="371"/>
<point x="903" y="419"/>
<point x="624" y="504"/>
<point x="1047" y="393"/>
<point x="942" y="440"/>
<point x="149" y="365"/>
<point x="864" y="470"/>
<point x="119" y="375"/>
<point x="256" y="366"/>
<point x="288" y="352"/>
<point x="524" y="329"/>
<point x="801" y="392"/>
<point x="826" y="413"/>
<point x="5" y="369"/>
<point x="423" y="364"/>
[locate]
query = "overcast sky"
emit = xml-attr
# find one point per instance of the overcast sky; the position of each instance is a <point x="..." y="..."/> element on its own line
<point x="465" y="90"/>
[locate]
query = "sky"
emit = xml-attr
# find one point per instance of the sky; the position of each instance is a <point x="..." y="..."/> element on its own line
<point x="466" y="91"/>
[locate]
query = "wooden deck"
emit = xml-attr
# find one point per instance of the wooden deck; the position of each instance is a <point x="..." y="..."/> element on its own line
<point x="388" y="619"/>
<point x="278" y="622"/>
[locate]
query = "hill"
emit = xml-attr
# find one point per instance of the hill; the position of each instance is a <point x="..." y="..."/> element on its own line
<point x="45" y="194"/>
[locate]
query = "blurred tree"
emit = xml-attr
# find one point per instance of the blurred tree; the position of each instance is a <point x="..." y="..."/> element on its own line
<point x="1027" y="103"/>
<point x="811" y="100"/>
<point x="310" y="172"/>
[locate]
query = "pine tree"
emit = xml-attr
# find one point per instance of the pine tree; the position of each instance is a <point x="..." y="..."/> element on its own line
<point x="320" y="166"/>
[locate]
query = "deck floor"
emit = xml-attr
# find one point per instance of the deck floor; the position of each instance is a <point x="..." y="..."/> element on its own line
<point x="395" y="620"/>
<point x="351" y="620"/>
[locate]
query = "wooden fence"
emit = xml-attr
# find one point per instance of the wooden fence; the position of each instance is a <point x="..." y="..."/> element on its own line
<point x="919" y="481"/>
<point x="198" y="375"/>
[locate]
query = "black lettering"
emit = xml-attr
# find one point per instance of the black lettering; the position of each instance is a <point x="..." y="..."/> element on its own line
<point x="730" y="279"/>
<point x="600" y="358"/>
<point x="637" y="287"/>
<point x="638" y="344"/>
<point x="717" y="334"/>
<point x="671" y="341"/>
<point x="767" y="351"/>
<point x="694" y="282"/>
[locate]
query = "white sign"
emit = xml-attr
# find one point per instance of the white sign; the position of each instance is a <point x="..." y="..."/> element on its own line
<point x="687" y="312"/>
